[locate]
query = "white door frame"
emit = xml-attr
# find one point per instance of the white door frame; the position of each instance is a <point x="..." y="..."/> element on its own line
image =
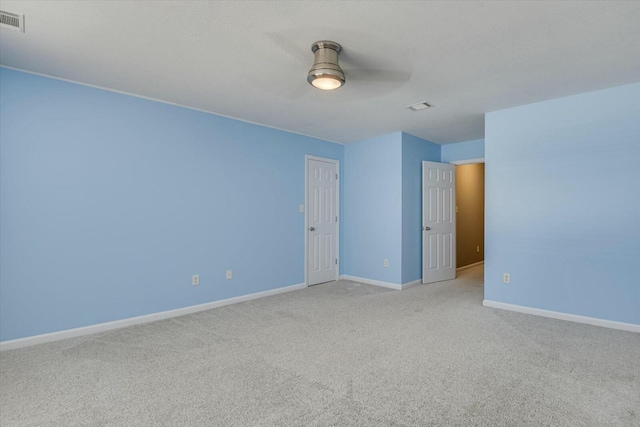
<point x="468" y="161"/>
<point x="308" y="157"/>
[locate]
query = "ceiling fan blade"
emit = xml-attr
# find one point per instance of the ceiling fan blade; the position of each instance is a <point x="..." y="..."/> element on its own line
<point x="374" y="75"/>
<point x="291" y="48"/>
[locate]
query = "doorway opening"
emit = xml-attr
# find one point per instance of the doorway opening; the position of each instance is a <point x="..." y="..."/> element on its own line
<point x="469" y="213"/>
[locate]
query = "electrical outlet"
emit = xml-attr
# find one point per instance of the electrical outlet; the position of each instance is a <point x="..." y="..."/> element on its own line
<point x="477" y="248"/>
<point x="195" y="279"/>
<point x="506" y="278"/>
<point x="386" y="262"/>
<point x="229" y="274"/>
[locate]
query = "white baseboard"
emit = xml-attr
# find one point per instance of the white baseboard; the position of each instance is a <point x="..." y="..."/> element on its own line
<point x="411" y="284"/>
<point x="117" y="324"/>
<point x="630" y="327"/>
<point x="475" y="264"/>
<point x="389" y="285"/>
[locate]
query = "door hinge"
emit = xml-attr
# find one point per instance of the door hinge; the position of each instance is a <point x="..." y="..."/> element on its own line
<point x="336" y="218"/>
<point x="336" y="176"/>
<point x="336" y="261"/>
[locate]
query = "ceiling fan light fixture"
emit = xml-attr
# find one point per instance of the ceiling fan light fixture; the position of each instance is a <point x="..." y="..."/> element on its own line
<point x="326" y="82"/>
<point x="326" y="74"/>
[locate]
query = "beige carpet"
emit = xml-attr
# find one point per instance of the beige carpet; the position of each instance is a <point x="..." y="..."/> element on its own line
<point x="338" y="354"/>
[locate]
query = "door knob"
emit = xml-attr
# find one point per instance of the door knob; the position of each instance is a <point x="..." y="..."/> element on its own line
<point x="427" y="228"/>
<point x="312" y="229"/>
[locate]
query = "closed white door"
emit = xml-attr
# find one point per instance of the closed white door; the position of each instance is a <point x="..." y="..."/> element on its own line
<point x="438" y="222"/>
<point x="322" y="221"/>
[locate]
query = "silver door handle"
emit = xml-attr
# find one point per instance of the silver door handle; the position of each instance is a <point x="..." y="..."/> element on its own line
<point x="312" y="229"/>
<point x="426" y="228"/>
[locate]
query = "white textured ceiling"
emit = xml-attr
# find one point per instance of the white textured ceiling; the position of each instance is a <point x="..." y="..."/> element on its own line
<point x="249" y="60"/>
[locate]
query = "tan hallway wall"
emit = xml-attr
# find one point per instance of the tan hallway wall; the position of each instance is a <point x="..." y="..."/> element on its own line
<point x="470" y="217"/>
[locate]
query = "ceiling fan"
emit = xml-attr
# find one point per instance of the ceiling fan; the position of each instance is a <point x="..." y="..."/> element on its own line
<point x="327" y="74"/>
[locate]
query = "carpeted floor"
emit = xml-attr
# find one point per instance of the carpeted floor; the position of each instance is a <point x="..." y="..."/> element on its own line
<point x="338" y="354"/>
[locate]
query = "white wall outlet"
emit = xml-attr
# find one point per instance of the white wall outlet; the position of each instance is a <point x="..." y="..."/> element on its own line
<point x="477" y="248"/>
<point x="229" y="274"/>
<point x="506" y="277"/>
<point x="301" y="208"/>
<point x="195" y="279"/>
<point x="386" y="262"/>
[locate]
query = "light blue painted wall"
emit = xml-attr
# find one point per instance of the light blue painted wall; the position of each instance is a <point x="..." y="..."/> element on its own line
<point x="414" y="151"/>
<point x="562" y="204"/>
<point x="463" y="151"/>
<point x="109" y="203"/>
<point x="373" y="208"/>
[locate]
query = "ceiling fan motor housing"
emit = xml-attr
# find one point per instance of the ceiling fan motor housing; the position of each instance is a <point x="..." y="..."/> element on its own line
<point x="325" y="63"/>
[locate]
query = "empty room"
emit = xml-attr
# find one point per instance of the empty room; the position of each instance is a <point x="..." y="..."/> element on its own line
<point x="319" y="213"/>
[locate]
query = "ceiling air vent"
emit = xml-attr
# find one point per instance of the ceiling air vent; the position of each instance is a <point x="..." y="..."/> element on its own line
<point x="419" y="106"/>
<point x="12" y="21"/>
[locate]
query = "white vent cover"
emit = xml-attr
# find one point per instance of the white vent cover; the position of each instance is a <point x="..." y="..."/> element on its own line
<point x="12" y="21"/>
<point x="419" y="106"/>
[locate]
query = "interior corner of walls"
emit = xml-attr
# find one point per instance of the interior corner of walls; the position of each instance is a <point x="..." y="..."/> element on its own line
<point x="411" y="284"/>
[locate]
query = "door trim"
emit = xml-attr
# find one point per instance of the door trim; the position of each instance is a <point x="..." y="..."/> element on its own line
<point x="467" y="161"/>
<point x="308" y="157"/>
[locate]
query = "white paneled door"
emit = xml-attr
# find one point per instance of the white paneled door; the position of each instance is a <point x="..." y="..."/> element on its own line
<point x="438" y="222"/>
<point x="322" y="220"/>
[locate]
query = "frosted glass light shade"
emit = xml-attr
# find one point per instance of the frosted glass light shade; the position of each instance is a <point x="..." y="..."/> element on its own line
<point x="326" y="83"/>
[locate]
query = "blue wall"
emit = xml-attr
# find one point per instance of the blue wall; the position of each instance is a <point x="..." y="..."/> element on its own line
<point x="383" y="207"/>
<point x="373" y="208"/>
<point x="414" y="151"/>
<point x="463" y="151"/>
<point x="109" y="203"/>
<point x="562" y="204"/>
